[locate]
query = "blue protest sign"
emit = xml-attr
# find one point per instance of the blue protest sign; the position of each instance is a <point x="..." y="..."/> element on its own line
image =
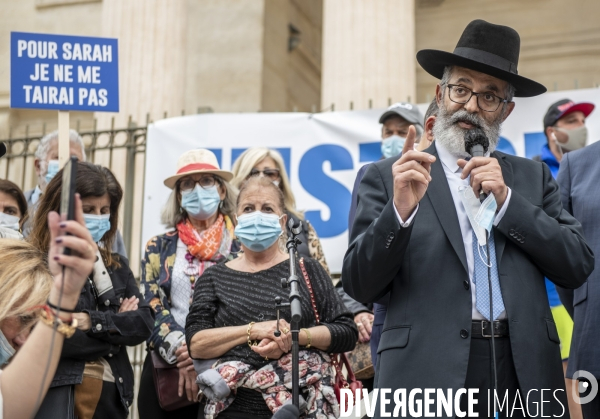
<point x="69" y="73"/>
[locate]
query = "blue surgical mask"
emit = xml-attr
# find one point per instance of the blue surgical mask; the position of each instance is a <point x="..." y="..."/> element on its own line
<point x="481" y="214"/>
<point x="201" y="203"/>
<point x="6" y="350"/>
<point x="257" y="230"/>
<point x="98" y="225"/>
<point x="392" y="146"/>
<point x="52" y="170"/>
<point x="9" y="221"/>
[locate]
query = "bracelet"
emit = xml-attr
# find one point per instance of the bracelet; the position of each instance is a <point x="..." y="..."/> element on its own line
<point x="309" y="337"/>
<point x="52" y="306"/>
<point x="51" y="320"/>
<point x="250" y="342"/>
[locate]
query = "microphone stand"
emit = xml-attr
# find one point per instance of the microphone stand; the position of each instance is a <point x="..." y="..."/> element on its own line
<point x="295" y="308"/>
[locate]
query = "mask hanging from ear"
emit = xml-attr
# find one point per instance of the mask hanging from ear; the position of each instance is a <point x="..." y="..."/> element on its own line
<point x="576" y="138"/>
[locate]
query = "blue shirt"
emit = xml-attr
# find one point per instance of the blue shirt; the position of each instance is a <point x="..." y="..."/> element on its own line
<point x="548" y="158"/>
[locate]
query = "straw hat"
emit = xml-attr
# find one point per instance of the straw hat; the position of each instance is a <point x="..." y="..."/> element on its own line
<point x="197" y="161"/>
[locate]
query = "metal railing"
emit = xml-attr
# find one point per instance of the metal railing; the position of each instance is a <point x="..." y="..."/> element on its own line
<point x="123" y="151"/>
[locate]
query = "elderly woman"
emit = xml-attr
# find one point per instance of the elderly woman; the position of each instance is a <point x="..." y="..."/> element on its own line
<point x="28" y="287"/>
<point x="232" y="317"/>
<point x="13" y="209"/>
<point x="201" y="209"/>
<point x="94" y="378"/>
<point x="268" y="163"/>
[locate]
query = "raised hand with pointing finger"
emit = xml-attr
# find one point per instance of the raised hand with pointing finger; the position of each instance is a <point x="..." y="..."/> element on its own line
<point x="411" y="174"/>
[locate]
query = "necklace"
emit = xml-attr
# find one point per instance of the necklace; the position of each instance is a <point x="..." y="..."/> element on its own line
<point x="191" y="271"/>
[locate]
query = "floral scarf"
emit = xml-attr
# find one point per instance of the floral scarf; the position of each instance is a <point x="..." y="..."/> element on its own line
<point x="205" y="246"/>
<point x="274" y="382"/>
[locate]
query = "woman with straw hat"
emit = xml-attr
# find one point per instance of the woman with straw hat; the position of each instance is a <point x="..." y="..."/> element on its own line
<point x="201" y="211"/>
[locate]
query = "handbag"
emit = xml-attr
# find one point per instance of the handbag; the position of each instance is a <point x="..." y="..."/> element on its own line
<point x="166" y="381"/>
<point x="339" y="361"/>
<point x="361" y="361"/>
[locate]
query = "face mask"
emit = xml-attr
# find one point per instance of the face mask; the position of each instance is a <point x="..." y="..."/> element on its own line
<point x="392" y="146"/>
<point x="576" y="138"/>
<point x="481" y="214"/>
<point x="6" y="350"/>
<point x="52" y="170"/>
<point x="9" y="221"/>
<point x="201" y="203"/>
<point x="98" y="225"/>
<point x="258" y="231"/>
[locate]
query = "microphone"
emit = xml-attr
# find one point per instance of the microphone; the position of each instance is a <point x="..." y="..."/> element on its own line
<point x="288" y="411"/>
<point x="295" y="228"/>
<point x="477" y="144"/>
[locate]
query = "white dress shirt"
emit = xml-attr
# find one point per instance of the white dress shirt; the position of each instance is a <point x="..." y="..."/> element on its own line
<point x="453" y="173"/>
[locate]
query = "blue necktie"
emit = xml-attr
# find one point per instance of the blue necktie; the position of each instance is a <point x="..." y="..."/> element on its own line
<point x="480" y="279"/>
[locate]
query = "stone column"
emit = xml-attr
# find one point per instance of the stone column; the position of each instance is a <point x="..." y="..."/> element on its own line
<point x="152" y="57"/>
<point x="368" y="53"/>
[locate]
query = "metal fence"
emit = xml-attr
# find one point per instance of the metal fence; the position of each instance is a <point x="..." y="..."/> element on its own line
<point x="123" y="151"/>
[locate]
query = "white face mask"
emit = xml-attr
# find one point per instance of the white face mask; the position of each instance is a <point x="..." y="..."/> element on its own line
<point x="9" y="221"/>
<point x="576" y="138"/>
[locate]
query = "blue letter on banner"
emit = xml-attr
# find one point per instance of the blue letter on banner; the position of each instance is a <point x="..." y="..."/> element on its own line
<point x="332" y="193"/>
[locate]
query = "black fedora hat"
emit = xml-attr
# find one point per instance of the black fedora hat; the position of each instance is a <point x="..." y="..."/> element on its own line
<point x="487" y="48"/>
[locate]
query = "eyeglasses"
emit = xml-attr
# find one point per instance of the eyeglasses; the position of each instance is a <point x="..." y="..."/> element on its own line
<point x="272" y="174"/>
<point x="487" y="102"/>
<point x="187" y="184"/>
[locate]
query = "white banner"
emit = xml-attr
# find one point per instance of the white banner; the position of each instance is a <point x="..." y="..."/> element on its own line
<point x="322" y="152"/>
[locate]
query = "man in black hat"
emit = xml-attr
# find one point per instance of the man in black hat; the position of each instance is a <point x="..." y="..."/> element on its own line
<point x="418" y="236"/>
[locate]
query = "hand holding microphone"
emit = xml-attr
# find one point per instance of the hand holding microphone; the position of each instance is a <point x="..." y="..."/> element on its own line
<point x="486" y="173"/>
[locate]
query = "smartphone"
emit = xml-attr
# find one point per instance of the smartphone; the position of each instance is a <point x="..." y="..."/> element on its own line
<point x="67" y="196"/>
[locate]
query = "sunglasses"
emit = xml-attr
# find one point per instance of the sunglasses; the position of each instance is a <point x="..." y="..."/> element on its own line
<point x="272" y="174"/>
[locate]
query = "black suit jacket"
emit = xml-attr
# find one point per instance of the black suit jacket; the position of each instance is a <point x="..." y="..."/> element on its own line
<point x="424" y="268"/>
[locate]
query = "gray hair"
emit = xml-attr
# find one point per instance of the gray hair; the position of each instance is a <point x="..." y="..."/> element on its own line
<point x="432" y="110"/>
<point x="172" y="213"/>
<point x="509" y="91"/>
<point x="44" y="146"/>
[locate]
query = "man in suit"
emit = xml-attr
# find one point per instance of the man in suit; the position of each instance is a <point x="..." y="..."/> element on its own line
<point x="412" y="238"/>
<point x="395" y="123"/>
<point x="578" y="177"/>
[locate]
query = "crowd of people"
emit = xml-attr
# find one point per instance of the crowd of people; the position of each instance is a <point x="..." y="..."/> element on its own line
<point x="414" y="284"/>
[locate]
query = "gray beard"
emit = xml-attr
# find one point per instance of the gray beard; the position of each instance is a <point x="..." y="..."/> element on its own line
<point x="449" y="134"/>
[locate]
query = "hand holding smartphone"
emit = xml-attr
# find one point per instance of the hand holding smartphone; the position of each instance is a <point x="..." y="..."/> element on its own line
<point x="67" y="198"/>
